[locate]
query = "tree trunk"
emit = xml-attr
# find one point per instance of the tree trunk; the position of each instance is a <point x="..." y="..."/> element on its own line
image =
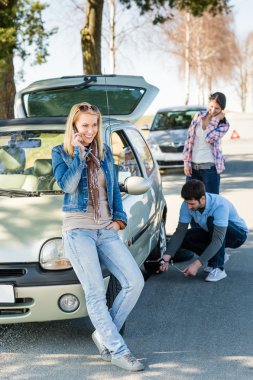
<point x="112" y="8"/>
<point x="91" y="37"/>
<point x="8" y="41"/>
<point x="187" y="59"/>
<point x="7" y="88"/>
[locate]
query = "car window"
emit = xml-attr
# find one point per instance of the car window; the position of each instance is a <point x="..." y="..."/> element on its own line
<point x="57" y="101"/>
<point x="25" y="159"/>
<point x="142" y="149"/>
<point x="171" y="120"/>
<point x="124" y="158"/>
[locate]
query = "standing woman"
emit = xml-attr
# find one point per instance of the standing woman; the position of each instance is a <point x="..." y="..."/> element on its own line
<point x="84" y="170"/>
<point x="203" y="159"/>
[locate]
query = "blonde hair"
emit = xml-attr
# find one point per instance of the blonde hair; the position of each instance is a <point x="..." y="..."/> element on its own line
<point x="71" y="120"/>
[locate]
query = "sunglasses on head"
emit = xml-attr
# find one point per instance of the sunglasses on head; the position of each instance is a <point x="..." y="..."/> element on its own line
<point x="86" y="107"/>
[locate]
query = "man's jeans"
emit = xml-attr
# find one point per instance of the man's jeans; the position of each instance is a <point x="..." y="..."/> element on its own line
<point x="197" y="239"/>
<point x="85" y="250"/>
<point x="210" y="177"/>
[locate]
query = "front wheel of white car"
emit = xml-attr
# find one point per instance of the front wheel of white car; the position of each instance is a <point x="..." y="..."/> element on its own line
<point x="160" y="248"/>
<point x="158" y="251"/>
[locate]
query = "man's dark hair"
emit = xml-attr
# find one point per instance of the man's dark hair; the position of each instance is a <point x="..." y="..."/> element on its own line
<point x="193" y="189"/>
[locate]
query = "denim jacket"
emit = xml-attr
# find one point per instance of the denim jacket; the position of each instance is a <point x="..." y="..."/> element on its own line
<point x="71" y="176"/>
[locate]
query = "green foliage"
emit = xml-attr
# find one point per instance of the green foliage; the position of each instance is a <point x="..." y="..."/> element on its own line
<point x="22" y="30"/>
<point x="162" y="8"/>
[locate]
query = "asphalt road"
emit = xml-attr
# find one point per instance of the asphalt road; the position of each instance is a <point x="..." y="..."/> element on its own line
<point x="181" y="328"/>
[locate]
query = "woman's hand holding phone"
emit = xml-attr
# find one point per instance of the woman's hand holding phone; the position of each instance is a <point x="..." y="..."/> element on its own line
<point x="77" y="139"/>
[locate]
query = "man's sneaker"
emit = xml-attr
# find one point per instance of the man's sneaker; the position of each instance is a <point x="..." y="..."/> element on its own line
<point x="209" y="269"/>
<point x="216" y="275"/>
<point x="104" y="352"/>
<point x="128" y="362"/>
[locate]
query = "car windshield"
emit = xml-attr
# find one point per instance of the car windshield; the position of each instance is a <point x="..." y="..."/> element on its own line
<point x="172" y="120"/>
<point x="25" y="161"/>
<point x="114" y="100"/>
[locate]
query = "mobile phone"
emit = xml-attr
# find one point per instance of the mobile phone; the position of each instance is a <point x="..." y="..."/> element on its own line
<point x="76" y="131"/>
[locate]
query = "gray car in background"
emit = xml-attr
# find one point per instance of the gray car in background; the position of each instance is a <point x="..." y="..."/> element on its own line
<point x="168" y="132"/>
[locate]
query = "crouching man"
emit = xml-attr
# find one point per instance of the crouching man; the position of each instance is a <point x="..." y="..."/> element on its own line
<point x="219" y="226"/>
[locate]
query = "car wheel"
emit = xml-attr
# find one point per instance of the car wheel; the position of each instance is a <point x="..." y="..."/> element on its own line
<point x="160" y="248"/>
<point x="158" y="251"/>
<point x="113" y="290"/>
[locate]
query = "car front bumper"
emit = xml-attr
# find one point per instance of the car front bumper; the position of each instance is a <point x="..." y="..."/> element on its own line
<point x="168" y="160"/>
<point x="37" y="293"/>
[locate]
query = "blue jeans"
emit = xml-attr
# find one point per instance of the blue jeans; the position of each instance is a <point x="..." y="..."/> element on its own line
<point x="197" y="239"/>
<point x="85" y="250"/>
<point x="210" y="177"/>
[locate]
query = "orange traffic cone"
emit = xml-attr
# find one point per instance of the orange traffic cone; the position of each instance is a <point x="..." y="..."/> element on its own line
<point x="235" y="135"/>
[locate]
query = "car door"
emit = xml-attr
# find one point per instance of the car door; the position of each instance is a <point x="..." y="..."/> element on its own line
<point x="140" y="209"/>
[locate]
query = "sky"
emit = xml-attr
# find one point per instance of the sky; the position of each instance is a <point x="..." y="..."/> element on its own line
<point x="65" y="59"/>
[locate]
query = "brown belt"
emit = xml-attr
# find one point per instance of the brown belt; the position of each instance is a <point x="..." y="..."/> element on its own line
<point x="206" y="165"/>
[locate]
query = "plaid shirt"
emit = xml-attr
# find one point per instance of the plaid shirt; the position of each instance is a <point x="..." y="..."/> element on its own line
<point x="215" y="130"/>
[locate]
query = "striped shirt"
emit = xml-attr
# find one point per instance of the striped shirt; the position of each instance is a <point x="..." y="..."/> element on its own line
<point x="215" y="130"/>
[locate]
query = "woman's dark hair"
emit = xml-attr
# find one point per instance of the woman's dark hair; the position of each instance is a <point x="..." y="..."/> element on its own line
<point x="193" y="189"/>
<point x="220" y="98"/>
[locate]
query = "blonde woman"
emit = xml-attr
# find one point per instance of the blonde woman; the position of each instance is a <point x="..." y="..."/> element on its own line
<point x="84" y="169"/>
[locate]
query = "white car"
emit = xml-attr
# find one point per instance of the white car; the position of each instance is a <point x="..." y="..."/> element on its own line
<point x="37" y="282"/>
<point x="168" y="132"/>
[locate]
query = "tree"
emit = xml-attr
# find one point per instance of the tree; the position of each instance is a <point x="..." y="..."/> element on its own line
<point x="162" y="9"/>
<point x="203" y="51"/>
<point x="91" y="37"/>
<point x="118" y="29"/>
<point x="21" y="30"/>
<point x="112" y="34"/>
<point x="214" y="49"/>
<point x="243" y="63"/>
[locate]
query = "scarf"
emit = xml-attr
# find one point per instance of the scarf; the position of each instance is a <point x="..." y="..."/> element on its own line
<point x="93" y="165"/>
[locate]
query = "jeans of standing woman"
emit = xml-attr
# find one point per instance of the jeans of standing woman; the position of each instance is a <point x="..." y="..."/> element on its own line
<point x="197" y="239"/>
<point x="210" y="177"/>
<point x="86" y="249"/>
<point x="211" y="180"/>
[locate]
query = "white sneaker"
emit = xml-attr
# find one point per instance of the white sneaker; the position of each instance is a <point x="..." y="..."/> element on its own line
<point x="216" y="275"/>
<point x="208" y="269"/>
<point x="128" y="362"/>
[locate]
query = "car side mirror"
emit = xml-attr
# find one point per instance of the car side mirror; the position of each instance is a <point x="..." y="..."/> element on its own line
<point x="145" y="127"/>
<point x="135" y="185"/>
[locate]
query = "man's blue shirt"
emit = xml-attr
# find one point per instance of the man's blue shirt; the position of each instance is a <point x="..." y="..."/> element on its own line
<point x="220" y="208"/>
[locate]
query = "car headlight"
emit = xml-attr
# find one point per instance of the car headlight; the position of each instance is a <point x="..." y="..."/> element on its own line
<point x="69" y="303"/>
<point x="52" y="256"/>
<point x="153" y="146"/>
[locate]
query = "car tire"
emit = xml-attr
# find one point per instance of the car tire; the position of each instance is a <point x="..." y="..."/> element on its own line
<point x="113" y="290"/>
<point x="160" y="248"/>
<point x="158" y="251"/>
